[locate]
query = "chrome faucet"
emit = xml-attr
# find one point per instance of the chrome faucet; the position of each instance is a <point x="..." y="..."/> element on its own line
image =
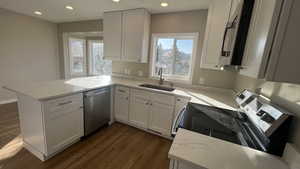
<point x="160" y="73"/>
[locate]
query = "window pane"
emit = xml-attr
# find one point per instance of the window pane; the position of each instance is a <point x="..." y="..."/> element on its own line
<point x="174" y="55"/>
<point x="164" y="55"/>
<point x="77" y="55"/>
<point x="183" y="54"/>
<point x="99" y="65"/>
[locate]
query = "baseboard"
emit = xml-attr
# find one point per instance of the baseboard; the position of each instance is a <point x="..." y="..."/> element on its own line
<point x="291" y="156"/>
<point x="8" y="101"/>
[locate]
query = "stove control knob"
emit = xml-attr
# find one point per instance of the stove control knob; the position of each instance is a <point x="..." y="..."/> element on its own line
<point x="260" y="113"/>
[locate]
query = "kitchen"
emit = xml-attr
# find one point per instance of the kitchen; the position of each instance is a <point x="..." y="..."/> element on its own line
<point x="104" y="90"/>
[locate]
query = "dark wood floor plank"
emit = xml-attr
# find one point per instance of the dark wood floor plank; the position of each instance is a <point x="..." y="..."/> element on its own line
<point x="115" y="147"/>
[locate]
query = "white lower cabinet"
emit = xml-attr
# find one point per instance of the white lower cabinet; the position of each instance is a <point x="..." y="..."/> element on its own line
<point x="63" y="119"/>
<point x="149" y="112"/>
<point x="63" y="128"/>
<point x="139" y="108"/>
<point x="52" y="125"/>
<point x="161" y="116"/>
<point x="178" y="164"/>
<point x="122" y="104"/>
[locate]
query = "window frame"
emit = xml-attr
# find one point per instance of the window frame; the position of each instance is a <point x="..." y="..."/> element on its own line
<point x="72" y="73"/>
<point x="173" y="78"/>
<point x="91" y="60"/>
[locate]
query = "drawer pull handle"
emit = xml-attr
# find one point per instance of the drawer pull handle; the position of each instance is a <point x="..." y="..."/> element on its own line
<point x="121" y="91"/>
<point x="64" y="103"/>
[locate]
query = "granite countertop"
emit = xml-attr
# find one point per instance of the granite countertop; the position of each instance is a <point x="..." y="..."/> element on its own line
<point x="46" y="90"/>
<point x="211" y="153"/>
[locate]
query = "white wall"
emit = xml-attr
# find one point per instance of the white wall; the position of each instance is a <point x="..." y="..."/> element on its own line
<point x="28" y="50"/>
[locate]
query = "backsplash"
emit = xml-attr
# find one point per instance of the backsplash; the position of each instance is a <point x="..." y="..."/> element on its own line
<point x="283" y="94"/>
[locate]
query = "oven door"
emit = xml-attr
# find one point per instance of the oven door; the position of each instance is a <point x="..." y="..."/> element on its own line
<point x="176" y="122"/>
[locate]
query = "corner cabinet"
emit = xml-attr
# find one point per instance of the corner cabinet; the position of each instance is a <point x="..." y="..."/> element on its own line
<point x="126" y="35"/>
<point x="218" y="15"/>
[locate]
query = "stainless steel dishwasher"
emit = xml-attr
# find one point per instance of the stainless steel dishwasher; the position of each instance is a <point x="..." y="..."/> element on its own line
<point x="96" y="109"/>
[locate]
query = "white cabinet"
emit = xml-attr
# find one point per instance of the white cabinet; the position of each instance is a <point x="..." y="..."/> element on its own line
<point x="139" y="108"/>
<point x="272" y="48"/>
<point x="136" y="33"/>
<point x="63" y="122"/>
<point x="126" y="35"/>
<point x="161" y="116"/>
<point x="178" y="164"/>
<point x="152" y="111"/>
<point x="112" y="25"/>
<point x="121" y="104"/>
<point x="218" y="15"/>
<point x="257" y="48"/>
<point x="50" y="126"/>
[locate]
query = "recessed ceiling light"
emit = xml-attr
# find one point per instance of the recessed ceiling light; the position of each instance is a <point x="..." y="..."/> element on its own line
<point x="164" y="4"/>
<point x="38" y="13"/>
<point x="116" y="0"/>
<point x="69" y="7"/>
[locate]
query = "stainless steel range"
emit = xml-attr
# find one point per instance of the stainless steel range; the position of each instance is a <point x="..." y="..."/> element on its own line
<point x="258" y="124"/>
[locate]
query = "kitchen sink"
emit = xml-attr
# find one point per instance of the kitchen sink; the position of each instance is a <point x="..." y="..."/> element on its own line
<point x="158" y="87"/>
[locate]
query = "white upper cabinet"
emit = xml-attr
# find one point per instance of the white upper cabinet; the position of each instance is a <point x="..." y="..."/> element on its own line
<point x="284" y="58"/>
<point x="112" y="25"/>
<point x="126" y="35"/>
<point x="136" y="33"/>
<point x="218" y="15"/>
<point x="257" y="46"/>
<point x="272" y="45"/>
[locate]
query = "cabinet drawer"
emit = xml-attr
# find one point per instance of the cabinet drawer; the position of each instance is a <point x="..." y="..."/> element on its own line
<point x="122" y="90"/>
<point x="163" y="98"/>
<point x="64" y="103"/>
<point x="141" y="94"/>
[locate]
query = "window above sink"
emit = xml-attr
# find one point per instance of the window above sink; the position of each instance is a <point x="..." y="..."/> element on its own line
<point x="176" y="54"/>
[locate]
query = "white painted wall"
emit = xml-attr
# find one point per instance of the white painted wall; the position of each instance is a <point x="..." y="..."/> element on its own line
<point x="28" y="51"/>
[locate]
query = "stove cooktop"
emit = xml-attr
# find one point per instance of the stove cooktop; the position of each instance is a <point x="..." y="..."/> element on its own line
<point x="220" y="123"/>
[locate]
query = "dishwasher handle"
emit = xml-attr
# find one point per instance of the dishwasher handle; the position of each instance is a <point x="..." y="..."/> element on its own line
<point x="96" y="93"/>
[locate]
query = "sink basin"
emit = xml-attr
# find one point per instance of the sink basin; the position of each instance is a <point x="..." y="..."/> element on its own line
<point x="158" y="87"/>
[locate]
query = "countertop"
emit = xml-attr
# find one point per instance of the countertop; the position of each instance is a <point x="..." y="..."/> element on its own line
<point x="212" y="153"/>
<point x="46" y="90"/>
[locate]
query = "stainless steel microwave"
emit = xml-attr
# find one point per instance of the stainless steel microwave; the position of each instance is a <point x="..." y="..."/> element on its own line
<point x="235" y="35"/>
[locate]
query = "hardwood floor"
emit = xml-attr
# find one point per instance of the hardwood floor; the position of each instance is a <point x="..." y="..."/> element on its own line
<point x="116" y="147"/>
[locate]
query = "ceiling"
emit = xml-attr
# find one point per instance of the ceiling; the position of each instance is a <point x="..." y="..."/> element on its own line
<point x="54" y="10"/>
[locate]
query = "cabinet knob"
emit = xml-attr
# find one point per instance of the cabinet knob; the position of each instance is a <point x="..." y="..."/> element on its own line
<point x="178" y="100"/>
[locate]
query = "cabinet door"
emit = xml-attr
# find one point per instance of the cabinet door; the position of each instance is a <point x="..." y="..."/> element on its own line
<point x="218" y="15"/>
<point x="112" y="35"/>
<point x="161" y="116"/>
<point x="63" y="128"/>
<point x="260" y="31"/>
<point x="139" y="111"/>
<point x="121" y="106"/>
<point x="135" y="35"/>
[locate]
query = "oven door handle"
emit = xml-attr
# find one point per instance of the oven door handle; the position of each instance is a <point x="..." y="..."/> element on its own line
<point x="176" y="122"/>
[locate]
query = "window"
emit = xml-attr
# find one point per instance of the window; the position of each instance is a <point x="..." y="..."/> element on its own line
<point x="77" y="52"/>
<point x="175" y="54"/>
<point x="84" y="57"/>
<point x="98" y="66"/>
